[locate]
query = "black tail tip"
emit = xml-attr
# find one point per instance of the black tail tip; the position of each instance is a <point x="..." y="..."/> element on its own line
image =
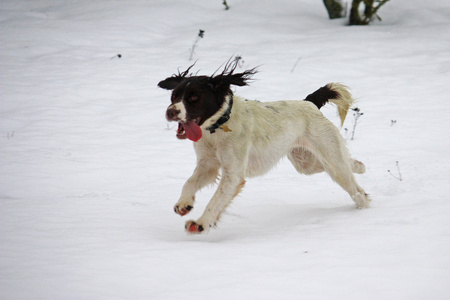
<point x="322" y="96"/>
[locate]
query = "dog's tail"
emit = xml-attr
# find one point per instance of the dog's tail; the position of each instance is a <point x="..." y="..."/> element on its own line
<point x="335" y="93"/>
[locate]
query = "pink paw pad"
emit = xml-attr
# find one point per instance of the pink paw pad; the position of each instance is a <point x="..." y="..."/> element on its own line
<point x="193" y="227"/>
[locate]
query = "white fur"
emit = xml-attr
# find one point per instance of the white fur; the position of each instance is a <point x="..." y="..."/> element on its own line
<point x="261" y="134"/>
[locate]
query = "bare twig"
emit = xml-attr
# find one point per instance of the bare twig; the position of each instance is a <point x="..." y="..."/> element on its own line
<point x="357" y="114"/>
<point x="200" y="35"/>
<point x="239" y="60"/>
<point x="226" y="5"/>
<point x="295" y="65"/>
<point x="370" y="10"/>
<point x="399" y="176"/>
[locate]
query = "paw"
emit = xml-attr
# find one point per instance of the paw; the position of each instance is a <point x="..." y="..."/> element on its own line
<point x="182" y="210"/>
<point x="184" y="205"/>
<point x="358" y="167"/>
<point x="362" y="201"/>
<point x="192" y="227"/>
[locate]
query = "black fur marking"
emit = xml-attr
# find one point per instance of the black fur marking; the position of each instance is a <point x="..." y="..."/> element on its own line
<point x="321" y="96"/>
<point x="272" y="108"/>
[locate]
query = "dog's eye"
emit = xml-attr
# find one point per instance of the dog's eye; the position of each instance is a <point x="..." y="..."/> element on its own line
<point x="193" y="98"/>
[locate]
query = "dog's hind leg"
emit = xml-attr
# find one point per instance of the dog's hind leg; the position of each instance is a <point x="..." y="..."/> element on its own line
<point x="304" y="161"/>
<point x="329" y="147"/>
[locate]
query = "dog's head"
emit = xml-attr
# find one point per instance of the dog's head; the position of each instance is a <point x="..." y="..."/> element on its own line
<point x="196" y="99"/>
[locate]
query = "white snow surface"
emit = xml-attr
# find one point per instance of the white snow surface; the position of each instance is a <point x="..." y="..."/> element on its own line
<point x="90" y="169"/>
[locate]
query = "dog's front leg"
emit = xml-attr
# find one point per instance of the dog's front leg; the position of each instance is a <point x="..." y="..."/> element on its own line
<point x="230" y="185"/>
<point x="205" y="173"/>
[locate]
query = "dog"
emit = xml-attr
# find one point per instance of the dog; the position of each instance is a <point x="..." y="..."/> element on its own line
<point x="242" y="139"/>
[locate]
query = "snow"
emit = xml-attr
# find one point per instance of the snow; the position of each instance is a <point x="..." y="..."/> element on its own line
<point x="90" y="169"/>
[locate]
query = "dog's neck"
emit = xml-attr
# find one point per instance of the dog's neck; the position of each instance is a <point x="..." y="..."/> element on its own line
<point x="225" y="116"/>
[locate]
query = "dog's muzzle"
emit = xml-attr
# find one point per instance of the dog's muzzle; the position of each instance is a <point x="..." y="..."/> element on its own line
<point x="172" y="114"/>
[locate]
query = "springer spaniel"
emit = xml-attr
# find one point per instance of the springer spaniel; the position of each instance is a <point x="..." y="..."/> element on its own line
<point x="247" y="138"/>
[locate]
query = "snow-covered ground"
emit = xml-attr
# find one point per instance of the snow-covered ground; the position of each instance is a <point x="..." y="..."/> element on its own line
<point x="90" y="169"/>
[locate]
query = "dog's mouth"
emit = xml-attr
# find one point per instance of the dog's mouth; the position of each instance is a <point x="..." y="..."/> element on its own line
<point x="190" y="129"/>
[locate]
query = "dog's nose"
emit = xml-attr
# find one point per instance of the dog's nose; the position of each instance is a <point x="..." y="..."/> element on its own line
<point x="172" y="114"/>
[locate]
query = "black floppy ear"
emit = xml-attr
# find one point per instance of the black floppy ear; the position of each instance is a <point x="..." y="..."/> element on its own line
<point x="227" y="78"/>
<point x="170" y="82"/>
<point x="241" y="79"/>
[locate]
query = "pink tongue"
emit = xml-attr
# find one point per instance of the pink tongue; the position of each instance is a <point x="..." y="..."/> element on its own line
<point x="193" y="131"/>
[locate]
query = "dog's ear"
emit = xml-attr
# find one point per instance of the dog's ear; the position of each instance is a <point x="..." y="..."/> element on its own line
<point x="241" y="79"/>
<point x="227" y="77"/>
<point x="171" y="83"/>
